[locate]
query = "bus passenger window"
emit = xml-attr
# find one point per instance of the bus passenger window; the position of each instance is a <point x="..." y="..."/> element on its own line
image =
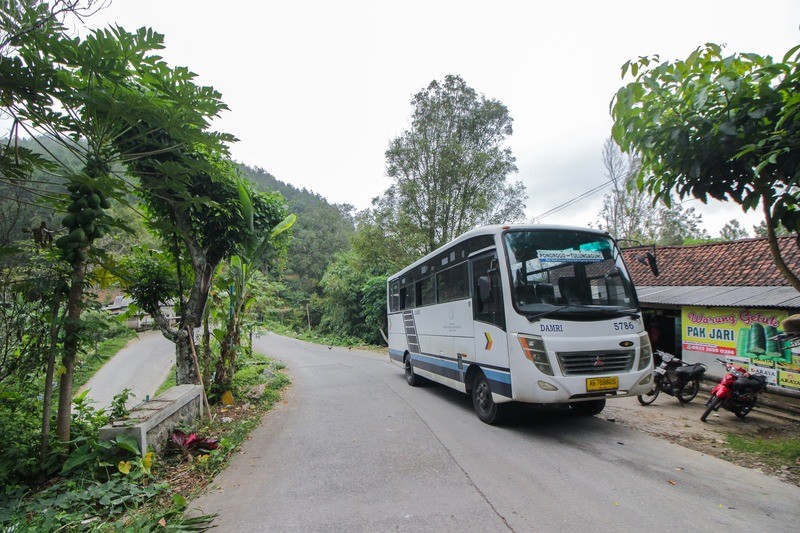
<point x="407" y="300"/>
<point x="426" y="291"/>
<point x="452" y="284"/>
<point x="394" y="296"/>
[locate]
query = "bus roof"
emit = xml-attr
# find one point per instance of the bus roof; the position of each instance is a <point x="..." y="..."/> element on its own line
<point x="493" y="229"/>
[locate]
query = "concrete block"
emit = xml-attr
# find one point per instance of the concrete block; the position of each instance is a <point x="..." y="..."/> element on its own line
<point x="152" y="422"/>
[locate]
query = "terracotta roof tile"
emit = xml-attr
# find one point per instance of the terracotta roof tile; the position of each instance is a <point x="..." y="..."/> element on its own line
<point x="742" y="263"/>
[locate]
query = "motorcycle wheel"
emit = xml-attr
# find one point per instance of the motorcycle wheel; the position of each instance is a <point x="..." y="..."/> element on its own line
<point x="689" y="391"/>
<point x="742" y="411"/>
<point x="650" y="397"/>
<point x="713" y="405"/>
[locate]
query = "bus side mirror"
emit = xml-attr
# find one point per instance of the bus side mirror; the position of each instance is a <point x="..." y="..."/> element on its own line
<point x="484" y="289"/>
<point x="649" y="259"/>
<point x="651" y="262"/>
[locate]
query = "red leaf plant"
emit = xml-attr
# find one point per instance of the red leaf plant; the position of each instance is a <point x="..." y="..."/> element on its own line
<point x="191" y="443"/>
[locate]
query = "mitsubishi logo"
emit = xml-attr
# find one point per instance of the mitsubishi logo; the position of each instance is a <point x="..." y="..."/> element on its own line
<point x="598" y="361"/>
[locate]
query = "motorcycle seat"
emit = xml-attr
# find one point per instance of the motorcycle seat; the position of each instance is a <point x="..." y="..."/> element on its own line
<point x="756" y="382"/>
<point x="690" y="371"/>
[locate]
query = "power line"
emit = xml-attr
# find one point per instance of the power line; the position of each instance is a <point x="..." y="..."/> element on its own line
<point x="572" y="201"/>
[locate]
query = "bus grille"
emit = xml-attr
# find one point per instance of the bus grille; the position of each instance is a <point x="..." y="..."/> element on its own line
<point x="595" y="362"/>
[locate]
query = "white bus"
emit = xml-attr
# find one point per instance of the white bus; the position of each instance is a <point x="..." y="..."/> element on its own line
<point x="537" y="314"/>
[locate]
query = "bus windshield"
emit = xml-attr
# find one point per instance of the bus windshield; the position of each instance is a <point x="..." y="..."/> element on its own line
<point x="573" y="273"/>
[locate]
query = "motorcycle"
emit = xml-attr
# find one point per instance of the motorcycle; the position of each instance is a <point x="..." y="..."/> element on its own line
<point x="737" y="392"/>
<point x="674" y="377"/>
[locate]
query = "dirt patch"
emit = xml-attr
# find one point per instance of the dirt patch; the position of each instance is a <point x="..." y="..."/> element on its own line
<point x="681" y="425"/>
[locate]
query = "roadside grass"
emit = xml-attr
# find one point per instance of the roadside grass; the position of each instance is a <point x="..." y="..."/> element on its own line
<point x="775" y="451"/>
<point x="257" y="387"/>
<point x="320" y="338"/>
<point x="170" y="382"/>
<point x="113" y="487"/>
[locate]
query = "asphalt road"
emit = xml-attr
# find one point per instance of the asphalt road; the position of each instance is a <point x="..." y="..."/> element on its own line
<point x="354" y="448"/>
<point x="141" y="366"/>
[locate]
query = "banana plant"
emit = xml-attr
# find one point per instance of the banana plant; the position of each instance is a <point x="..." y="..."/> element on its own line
<point x="240" y="290"/>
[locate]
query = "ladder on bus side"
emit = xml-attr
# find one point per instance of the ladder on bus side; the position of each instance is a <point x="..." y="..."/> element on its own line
<point x="411" y="331"/>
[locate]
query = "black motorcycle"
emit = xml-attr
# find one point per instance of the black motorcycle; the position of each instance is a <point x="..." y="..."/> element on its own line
<point x="674" y="377"/>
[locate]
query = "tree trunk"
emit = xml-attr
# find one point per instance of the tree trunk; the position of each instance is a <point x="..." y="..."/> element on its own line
<point x="44" y="446"/>
<point x="186" y="371"/>
<point x="74" y="308"/>
<point x="206" y="353"/>
<point x="783" y="268"/>
<point x="192" y="314"/>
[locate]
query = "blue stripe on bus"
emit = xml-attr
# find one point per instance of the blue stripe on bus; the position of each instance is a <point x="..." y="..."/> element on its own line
<point x="499" y="381"/>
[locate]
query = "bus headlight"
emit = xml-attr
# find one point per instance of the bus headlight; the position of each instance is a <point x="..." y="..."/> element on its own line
<point x="645" y="351"/>
<point x="534" y="350"/>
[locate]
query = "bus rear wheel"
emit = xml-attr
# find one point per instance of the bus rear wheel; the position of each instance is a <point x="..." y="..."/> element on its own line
<point x="588" y="408"/>
<point x="411" y="378"/>
<point x="487" y="410"/>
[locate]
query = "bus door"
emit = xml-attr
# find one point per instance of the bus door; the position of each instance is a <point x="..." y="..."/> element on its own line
<point x="491" y="344"/>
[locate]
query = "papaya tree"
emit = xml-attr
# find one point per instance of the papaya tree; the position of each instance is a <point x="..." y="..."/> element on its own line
<point x="720" y="126"/>
<point x="98" y="91"/>
<point x="60" y="74"/>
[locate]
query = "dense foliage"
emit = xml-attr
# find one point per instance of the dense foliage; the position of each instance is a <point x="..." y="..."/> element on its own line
<point x="720" y="126"/>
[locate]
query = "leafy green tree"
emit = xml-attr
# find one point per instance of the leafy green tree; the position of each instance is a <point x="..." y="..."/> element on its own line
<point x="632" y="213"/>
<point x="761" y="230"/>
<point x="720" y="126"/>
<point x="373" y="308"/>
<point x="194" y="203"/>
<point x="49" y="80"/>
<point x="110" y="99"/>
<point x="380" y="242"/>
<point x="450" y="168"/>
<point x="733" y="230"/>
<point x="679" y="225"/>
<point x="353" y="299"/>
<point x="627" y="213"/>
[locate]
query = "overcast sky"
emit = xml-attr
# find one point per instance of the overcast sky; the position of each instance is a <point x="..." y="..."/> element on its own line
<point x="317" y="88"/>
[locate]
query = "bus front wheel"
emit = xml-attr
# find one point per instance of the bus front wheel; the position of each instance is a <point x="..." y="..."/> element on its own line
<point x="488" y="411"/>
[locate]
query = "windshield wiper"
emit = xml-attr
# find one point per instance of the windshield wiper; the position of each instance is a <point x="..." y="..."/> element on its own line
<point x="605" y="311"/>
<point x="534" y="318"/>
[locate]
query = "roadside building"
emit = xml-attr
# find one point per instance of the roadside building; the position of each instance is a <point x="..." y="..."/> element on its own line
<point x="139" y="321"/>
<point x="722" y="300"/>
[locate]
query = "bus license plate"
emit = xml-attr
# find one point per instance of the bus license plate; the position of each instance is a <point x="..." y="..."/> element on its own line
<point x="607" y="383"/>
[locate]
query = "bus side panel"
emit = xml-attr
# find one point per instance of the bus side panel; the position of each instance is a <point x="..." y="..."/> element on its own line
<point x="491" y="352"/>
<point x="444" y="332"/>
<point x="441" y="326"/>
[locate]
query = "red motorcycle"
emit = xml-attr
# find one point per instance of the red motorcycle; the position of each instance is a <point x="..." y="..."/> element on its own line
<point x="737" y="392"/>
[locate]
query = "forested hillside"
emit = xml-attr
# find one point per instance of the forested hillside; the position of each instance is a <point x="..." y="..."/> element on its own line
<point x="322" y="229"/>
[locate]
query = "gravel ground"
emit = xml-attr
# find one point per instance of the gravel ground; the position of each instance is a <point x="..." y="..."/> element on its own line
<point x="666" y="418"/>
